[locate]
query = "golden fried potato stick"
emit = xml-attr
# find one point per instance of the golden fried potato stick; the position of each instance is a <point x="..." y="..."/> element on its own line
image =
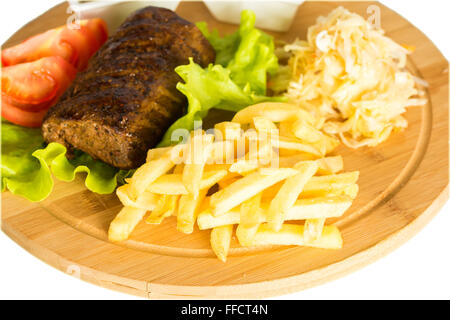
<point x="148" y="173"/>
<point x="254" y="159"/>
<point x="327" y="165"/>
<point x="157" y="153"/>
<point x="350" y="190"/>
<point x="274" y="111"/>
<point x="289" y="192"/>
<point x="296" y="145"/>
<point x="188" y="208"/>
<point x="313" y="229"/>
<point x="293" y="234"/>
<point x="246" y="187"/>
<point x="220" y="241"/>
<point x="264" y="125"/>
<point x="227" y="131"/>
<point x="251" y="211"/>
<point x="197" y="154"/>
<point x="124" y="223"/>
<point x="173" y="183"/>
<point x="167" y="207"/>
<point x="331" y="182"/>
<point x="147" y="200"/>
<point x="222" y="152"/>
<point x="245" y="234"/>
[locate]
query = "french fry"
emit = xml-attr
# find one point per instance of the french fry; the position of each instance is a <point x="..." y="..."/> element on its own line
<point x="327" y="165"/>
<point x="197" y="154"/>
<point x="220" y="241"/>
<point x="350" y="190"/>
<point x="245" y="188"/>
<point x="227" y="131"/>
<point x="221" y="152"/>
<point x="330" y="165"/>
<point x="157" y="153"/>
<point x="206" y="220"/>
<point x="306" y="132"/>
<point x="244" y="166"/>
<point x="250" y="211"/>
<point x="245" y="234"/>
<point x="188" y="208"/>
<point x="290" y="161"/>
<point x="148" y="173"/>
<point x="175" y="153"/>
<point x="327" y="207"/>
<point x="253" y="159"/>
<point x="295" y="145"/>
<point x="147" y="200"/>
<point x="289" y="192"/>
<point x="313" y="229"/>
<point x="273" y="111"/>
<point x="292" y="234"/>
<point x="331" y="182"/>
<point x="173" y="183"/>
<point x="285" y="129"/>
<point x="264" y="125"/>
<point x="166" y="207"/>
<point x="124" y="223"/>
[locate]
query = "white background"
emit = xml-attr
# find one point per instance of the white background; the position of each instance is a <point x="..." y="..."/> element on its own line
<point x="420" y="269"/>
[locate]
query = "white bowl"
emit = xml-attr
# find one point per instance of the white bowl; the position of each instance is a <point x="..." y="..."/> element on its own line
<point x="270" y="15"/>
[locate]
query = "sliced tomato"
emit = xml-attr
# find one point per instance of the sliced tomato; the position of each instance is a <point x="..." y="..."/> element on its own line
<point x="42" y="45"/>
<point x="22" y="117"/>
<point x="98" y="30"/>
<point x="75" y="45"/>
<point x="34" y="86"/>
<point x="82" y="41"/>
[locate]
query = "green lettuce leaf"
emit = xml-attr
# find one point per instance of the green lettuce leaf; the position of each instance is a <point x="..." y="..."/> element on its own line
<point x="21" y="173"/>
<point x="248" y="53"/>
<point x="208" y="88"/>
<point x="225" y="47"/>
<point x="27" y="166"/>
<point x="237" y="80"/>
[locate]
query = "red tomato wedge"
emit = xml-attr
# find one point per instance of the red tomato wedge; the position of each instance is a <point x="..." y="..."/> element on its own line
<point x="34" y="86"/>
<point x="45" y="44"/>
<point x="22" y="117"/>
<point x="97" y="30"/>
<point x="75" y="45"/>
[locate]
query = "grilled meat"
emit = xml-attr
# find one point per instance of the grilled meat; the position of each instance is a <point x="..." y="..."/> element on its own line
<point x="127" y="98"/>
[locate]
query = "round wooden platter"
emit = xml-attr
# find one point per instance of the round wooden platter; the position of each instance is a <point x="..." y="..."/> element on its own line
<point x="403" y="184"/>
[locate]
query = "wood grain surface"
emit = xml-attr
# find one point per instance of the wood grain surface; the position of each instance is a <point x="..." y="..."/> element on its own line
<point x="403" y="184"/>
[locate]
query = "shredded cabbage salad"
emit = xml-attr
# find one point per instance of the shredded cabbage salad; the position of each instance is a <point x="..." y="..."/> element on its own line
<point x="353" y="78"/>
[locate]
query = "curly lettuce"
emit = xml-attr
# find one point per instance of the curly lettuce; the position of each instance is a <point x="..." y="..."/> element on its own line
<point x="248" y="53"/>
<point x="237" y="80"/>
<point x="28" y="166"/>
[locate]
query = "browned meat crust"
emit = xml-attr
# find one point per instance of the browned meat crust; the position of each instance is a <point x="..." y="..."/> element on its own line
<point x="127" y="98"/>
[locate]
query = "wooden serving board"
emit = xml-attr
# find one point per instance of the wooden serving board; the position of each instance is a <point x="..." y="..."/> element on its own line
<point x="403" y="184"/>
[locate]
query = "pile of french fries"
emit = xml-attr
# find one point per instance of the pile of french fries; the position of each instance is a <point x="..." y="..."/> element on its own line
<point x="267" y="166"/>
